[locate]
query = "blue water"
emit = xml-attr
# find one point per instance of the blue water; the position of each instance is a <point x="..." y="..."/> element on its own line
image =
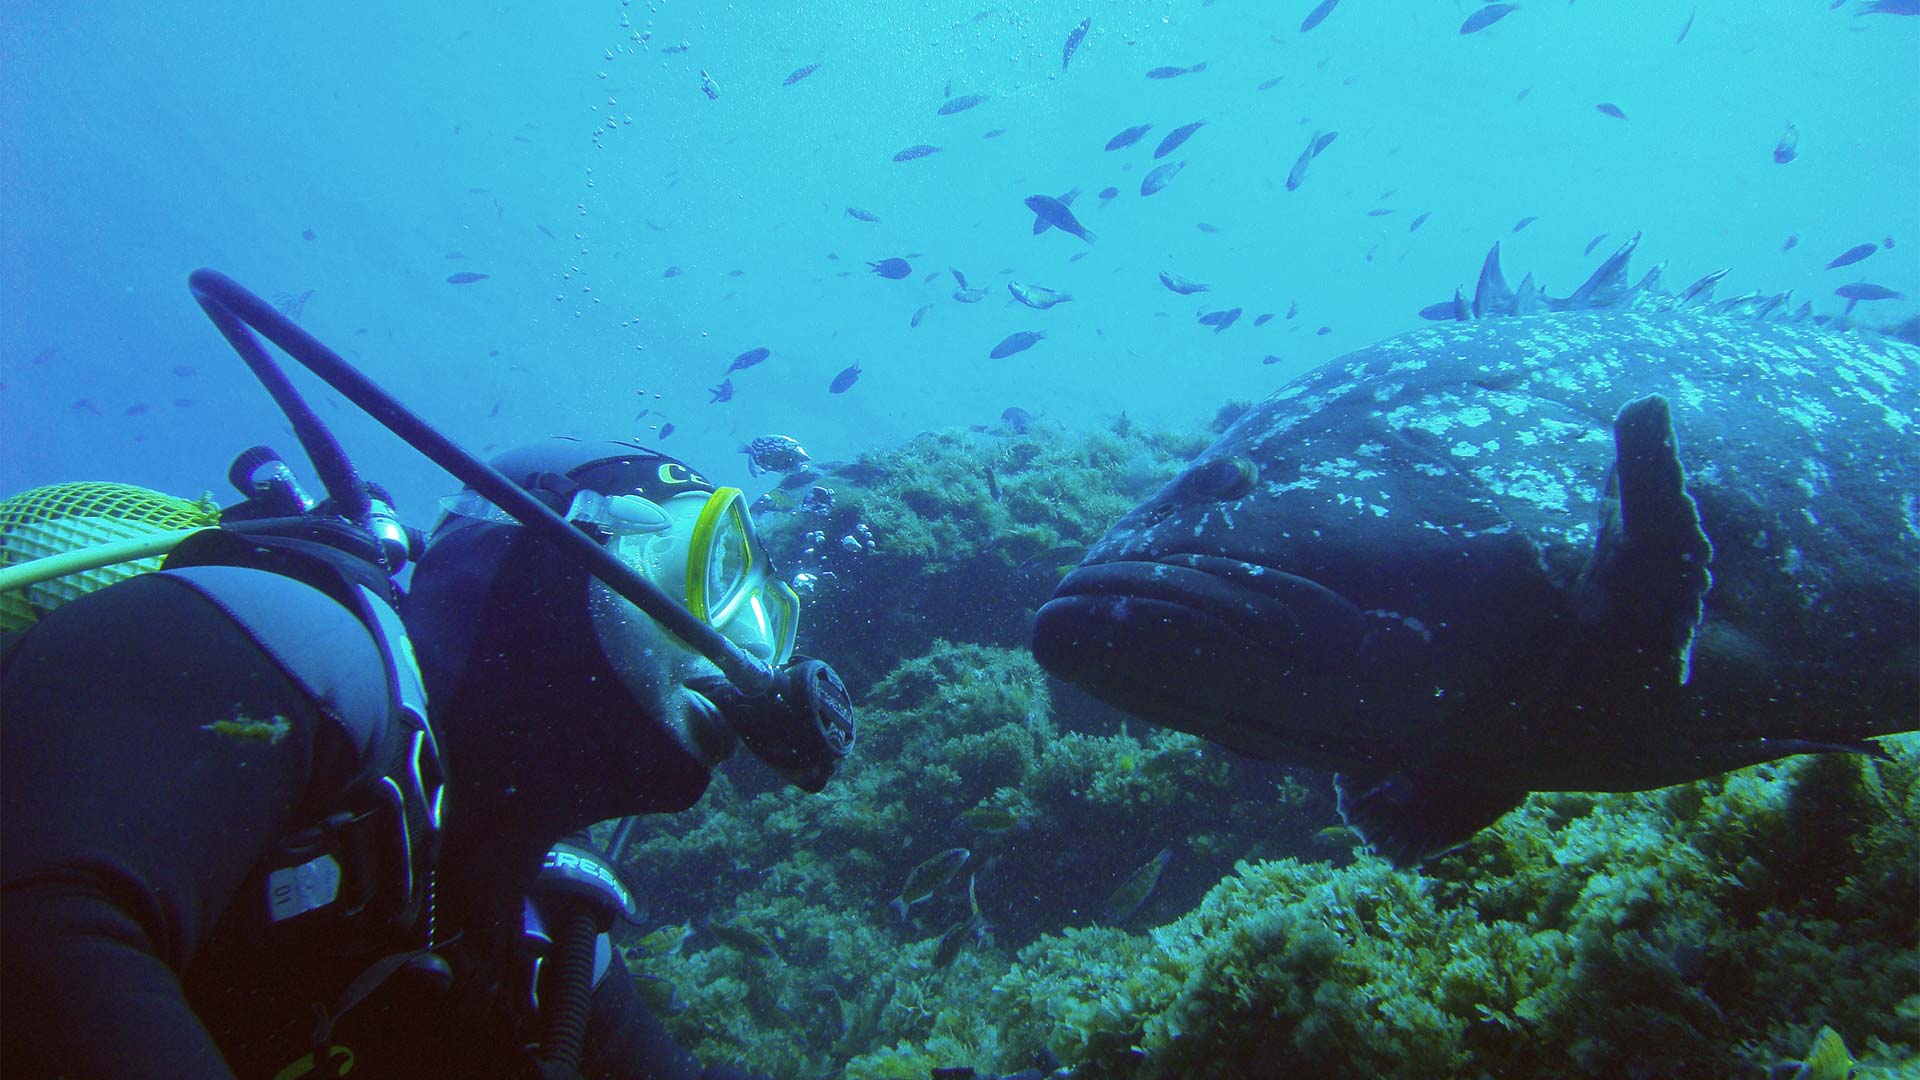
<point x="141" y="142"/>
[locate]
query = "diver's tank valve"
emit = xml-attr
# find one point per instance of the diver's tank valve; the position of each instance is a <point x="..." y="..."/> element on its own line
<point x="268" y="483"/>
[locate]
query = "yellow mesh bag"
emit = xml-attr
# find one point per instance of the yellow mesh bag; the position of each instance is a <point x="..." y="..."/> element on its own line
<point x="66" y="540"/>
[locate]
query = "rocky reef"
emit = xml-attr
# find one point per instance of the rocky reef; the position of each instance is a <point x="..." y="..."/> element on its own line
<point x="1703" y="930"/>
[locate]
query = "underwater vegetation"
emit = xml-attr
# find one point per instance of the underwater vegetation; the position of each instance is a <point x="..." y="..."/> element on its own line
<point x="1709" y="929"/>
<point x="957" y="516"/>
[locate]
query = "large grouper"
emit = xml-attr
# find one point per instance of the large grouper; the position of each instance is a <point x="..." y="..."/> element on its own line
<point x="1607" y="542"/>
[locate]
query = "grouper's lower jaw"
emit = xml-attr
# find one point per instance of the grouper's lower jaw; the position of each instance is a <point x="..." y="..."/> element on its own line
<point x="1217" y="647"/>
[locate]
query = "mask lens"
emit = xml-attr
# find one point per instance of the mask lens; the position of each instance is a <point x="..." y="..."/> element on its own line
<point x="720" y="556"/>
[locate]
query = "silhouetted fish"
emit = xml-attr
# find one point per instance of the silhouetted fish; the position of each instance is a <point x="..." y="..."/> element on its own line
<point x="1128" y="137"/>
<point x="465" y="277"/>
<point x="1318" y="15"/>
<point x="961" y="103"/>
<point x="1486" y="17"/>
<point x="1074" y="37"/>
<point x="1176" y="72"/>
<point x="1852" y="255"/>
<point x="1175" y="137"/>
<point x="844" y="381"/>
<point x="1160" y="177"/>
<point x="800" y="73"/>
<point x="858" y="214"/>
<point x="1056" y="213"/>
<point x="1610" y="109"/>
<point x="1016" y="342"/>
<point x="918" y="150"/>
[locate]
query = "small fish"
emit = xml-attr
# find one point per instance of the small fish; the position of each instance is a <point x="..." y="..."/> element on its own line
<point x="1270" y="83"/>
<point x="1263" y="319"/>
<point x="959" y="278"/>
<point x="1181" y="285"/>
<point x="774" y="453"/>
<point x="1608" y="108"/>
<point x="1175" y="137"/>
<point x="993" y="133"/>
<point x="308" y="234"/>
<point x="748" y="359"/>
<point x="1293" y="309"/>
<point x="951" y="942"/>
<point x="453" y="255"/>
<point x="680" y="48"/>
<point x="1318" y="15"/>
<point x="1107" y="195"/>
<point x="741" y="938"/>
<point x="1321" y="140"/>
<point x="800" y="73"/>
<point x="993" y="482"/>
<point x="135" y="410"/>
<point x="1852" y="255"/>
<point x="665" y="940"/>
<point x="1685" y="29"/>
<point x="721" y="393"/>
<point x="1792" y="241"/>
<point x="1128" y="137"/>
<point x="924" y="880"/>
<point x="960" y="104"/>
<point x="969" y="296"/>
<point x="1414" y="226"/>
<point x="1210" y="227"/>
<point x="662" y="998"/>
<point x="893" y="269"/>
<point x="1220" y="320"/>
<point x="1523" y="223"/>
<point x="709" y="87"/>
<point x="858" y="214"/>
<point x="1270" y="359"/>
<point x="1322" y="331"/>
<point x="1298" y="174"/>
<point x="919" y="314"/>
<point x="1788" y="147"/>
<point x="1134" y="891"/>
<point x="1037" y="297"/>
<point x="1016" y="342"/>
<point x="465" y="277"/>
<point x="1594" y="243"/>
<point x="1176" y="72"/>
<point x="1042" y="224"/>
<point x="844" y="381"/>
<point x="671" y="271"/>
<point x="1486" y="17"/>
<point x="548" y="233"/>
<point x="989" y="819"/>
<point x="86" y="405"/>
<point x="1074" y="37"/>
<point x="1336" y="836"/>
<point x="1380" y="211"/>
<point x="1057" y="214"/>
<point x="1867" y="290"/>
<point x="1158" y="179"/>
<point x="1827" y="1059"/>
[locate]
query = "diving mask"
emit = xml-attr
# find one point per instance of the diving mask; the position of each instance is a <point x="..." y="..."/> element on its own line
<point x="696" y="545"/>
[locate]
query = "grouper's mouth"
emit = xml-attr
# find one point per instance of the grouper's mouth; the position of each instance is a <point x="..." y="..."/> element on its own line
<point x="1202" y="643"/>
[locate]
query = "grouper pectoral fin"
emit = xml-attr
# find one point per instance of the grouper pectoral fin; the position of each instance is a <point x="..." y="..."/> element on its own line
<point x="1408" y="819"/>
<point x="1644" y="593"/>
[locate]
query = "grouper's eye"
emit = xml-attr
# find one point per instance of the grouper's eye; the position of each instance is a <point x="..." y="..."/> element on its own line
<point x="1227" y="478"/>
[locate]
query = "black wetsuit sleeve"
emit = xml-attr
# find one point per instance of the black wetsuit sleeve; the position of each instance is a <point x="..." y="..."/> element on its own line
<point x="625" y="1041"/>
<point x="151" y="753"/>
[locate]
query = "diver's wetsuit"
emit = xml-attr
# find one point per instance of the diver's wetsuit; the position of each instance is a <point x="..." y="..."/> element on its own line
<point x="151" y="752"/>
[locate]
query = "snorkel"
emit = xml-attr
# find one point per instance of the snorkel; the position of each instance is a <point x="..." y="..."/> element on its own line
<point x="239" y="314"/>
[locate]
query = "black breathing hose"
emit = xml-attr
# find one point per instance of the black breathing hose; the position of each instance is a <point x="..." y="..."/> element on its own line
<point x="233" y="309"/>
<point x="563" y="1037"/>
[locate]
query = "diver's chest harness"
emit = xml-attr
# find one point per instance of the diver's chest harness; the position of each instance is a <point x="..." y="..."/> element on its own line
<point x="358" y="879"/>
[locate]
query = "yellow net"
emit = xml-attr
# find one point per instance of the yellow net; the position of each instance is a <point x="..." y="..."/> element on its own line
<point x="65" y="519"/>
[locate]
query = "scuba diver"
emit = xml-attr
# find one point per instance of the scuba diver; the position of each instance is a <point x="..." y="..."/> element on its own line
<point x="264" y="814"/>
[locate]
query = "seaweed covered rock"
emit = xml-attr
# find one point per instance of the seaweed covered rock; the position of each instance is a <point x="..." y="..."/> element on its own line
<point x="956" y="534"/>
<point x="1670" y="933"/>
